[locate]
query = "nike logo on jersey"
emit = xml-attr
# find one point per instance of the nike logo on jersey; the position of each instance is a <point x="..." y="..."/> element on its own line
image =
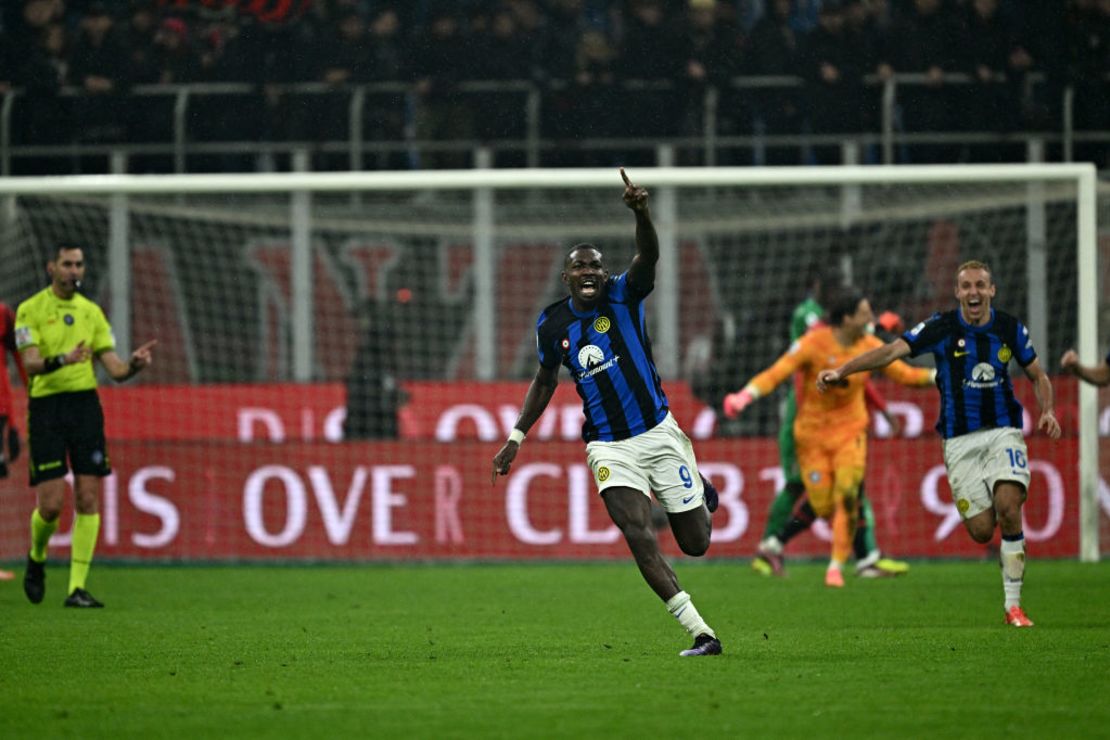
<point x="688" y="499"/>
<point x="960" y="354"/>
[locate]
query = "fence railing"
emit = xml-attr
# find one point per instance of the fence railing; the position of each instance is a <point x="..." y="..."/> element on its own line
<point x="700" y="143"/>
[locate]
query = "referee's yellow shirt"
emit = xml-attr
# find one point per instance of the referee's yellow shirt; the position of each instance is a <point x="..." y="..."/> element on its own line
<point x="55" y="326"/>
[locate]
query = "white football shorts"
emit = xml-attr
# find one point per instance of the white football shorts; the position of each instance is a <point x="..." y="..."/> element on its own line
<point x="661" y="460"/>
<point x="979" y="460"/>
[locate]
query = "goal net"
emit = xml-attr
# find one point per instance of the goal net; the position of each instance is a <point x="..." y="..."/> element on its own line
<point x="341" y="355"/>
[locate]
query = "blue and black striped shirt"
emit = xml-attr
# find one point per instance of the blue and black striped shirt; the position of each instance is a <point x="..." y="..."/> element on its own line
<point x="973" y="369"/>
<point x="608" y="353"/>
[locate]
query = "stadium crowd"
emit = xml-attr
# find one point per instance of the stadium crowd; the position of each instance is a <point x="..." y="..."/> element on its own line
<point x="581" y="52"/>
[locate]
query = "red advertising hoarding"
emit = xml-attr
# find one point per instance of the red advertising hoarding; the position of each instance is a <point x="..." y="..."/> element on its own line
<point x="429" y="500"/>
<point x="247" y="471"/>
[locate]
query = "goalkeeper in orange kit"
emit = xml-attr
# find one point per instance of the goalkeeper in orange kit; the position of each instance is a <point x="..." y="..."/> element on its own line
<point x="830" y="430"/>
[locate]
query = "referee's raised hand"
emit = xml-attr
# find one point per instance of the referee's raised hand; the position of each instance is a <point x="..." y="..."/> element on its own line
<point x="142" y="356"/>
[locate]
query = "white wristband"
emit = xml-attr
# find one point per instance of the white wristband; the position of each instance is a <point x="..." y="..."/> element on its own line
<point x="516" y="436"/>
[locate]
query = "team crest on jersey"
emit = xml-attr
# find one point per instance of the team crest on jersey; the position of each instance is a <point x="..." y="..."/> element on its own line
<point x="961" y="344"/>
<point x="68" y="319"/>
<point x="602" y="324"/>
<point x="1004" y="354"/>
<point x="963" y="505"/>
<point x="602" y="474"/>
<point x="565" y="344"/>
<point x="815" y="477"/>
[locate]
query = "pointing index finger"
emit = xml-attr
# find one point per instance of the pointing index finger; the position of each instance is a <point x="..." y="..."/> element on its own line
<point x="627" y="182"/>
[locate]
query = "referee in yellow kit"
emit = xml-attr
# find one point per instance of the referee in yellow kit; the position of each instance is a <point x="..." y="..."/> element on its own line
<point x="58" y="332"/>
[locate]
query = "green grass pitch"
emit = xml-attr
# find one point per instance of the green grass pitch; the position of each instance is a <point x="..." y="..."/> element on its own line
<point x="554" y="650"/>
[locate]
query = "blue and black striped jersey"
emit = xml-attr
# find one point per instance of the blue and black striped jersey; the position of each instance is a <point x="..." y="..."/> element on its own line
<point x="608" y="353"/>
<point x="973" y="369"/>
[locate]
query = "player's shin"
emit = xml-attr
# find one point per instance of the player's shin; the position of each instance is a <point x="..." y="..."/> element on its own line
<point x="864" y="544"/>
<point x="86" y="528"/>
<point x="842" y="530"/>
<point x="1012" y="558"/>
<point x="41" y="531"/>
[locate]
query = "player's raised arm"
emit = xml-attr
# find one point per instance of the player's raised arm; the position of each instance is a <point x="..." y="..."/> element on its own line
<point x="1095" y="374"/>
<point x="876" y="358"/>
<point x="1042" y="388"/>
<point x="642" y="271"/>
<point x="767" y="380"/>
<point x="535" y="401"/>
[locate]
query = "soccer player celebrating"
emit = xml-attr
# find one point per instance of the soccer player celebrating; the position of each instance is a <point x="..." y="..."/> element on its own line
<point x="58" y="332"/>
<point x="980" y="419"/>
<point x="790" y="512"/>
<point x="633" y="444"/>
<point x="1094" y="374"/>
<point x="831" y="430"/>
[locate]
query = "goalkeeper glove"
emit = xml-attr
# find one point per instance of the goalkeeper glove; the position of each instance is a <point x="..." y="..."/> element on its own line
<point x="737" y="402"/>
<point x="891" y="322"/>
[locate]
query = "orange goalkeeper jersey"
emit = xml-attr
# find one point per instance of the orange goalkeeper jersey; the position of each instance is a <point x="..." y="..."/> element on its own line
<point x="840" y="410"/>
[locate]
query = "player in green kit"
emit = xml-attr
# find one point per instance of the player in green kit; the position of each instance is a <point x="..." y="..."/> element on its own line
<point x="790" y="513"/>
<point x="58" y="333"/>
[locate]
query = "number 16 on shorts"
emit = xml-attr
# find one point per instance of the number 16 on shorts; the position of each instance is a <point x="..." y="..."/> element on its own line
<point x="1017" y="458"/>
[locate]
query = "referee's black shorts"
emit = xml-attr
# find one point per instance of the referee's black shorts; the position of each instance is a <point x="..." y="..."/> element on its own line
<point x="66" y="430"/>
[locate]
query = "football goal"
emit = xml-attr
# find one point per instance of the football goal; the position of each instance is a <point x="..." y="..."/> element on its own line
<point x="340" y="354"/>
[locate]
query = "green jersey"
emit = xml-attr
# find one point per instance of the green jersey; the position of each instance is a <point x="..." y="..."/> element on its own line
<point x="56" y="325"/>
<point x="805" y="315"/>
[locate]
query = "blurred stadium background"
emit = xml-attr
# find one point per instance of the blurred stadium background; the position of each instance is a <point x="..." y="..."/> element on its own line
<point x="338" y="366"/>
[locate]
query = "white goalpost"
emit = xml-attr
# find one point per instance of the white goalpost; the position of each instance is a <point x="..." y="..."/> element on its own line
<point x="271" y="275"/>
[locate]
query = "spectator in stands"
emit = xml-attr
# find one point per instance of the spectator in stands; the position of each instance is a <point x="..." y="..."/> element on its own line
<point x="344" y="54"/>
<point x="503" y="56"/>
<point x="279" y="54"/>
<point x="712" y="54"/>
<point x="574" y="64"/>
<point x="866" y="22"/>
<point x="225" y="54"/>
<point x="138" y="37"/>
<point x="388" y="52"/>
<point x="173" y="54"/>
<point x="8" y="65"/>
<point x="43" y="116"/>
<point x="558" y="44"/>
<point x="389" y="62"/>
<point x="927" y="41"/>
<point x="651" y="55"/>
<point x="529" y="19"/>
<point x="99" y="66"/>
<point x="1088" y="45"/>
<point x="344" y="51"/>
<point x="833" y="70"/>
<point x="441" y="59"/>
<point x="773" y="50"/>
<point x="997" y="63"/>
